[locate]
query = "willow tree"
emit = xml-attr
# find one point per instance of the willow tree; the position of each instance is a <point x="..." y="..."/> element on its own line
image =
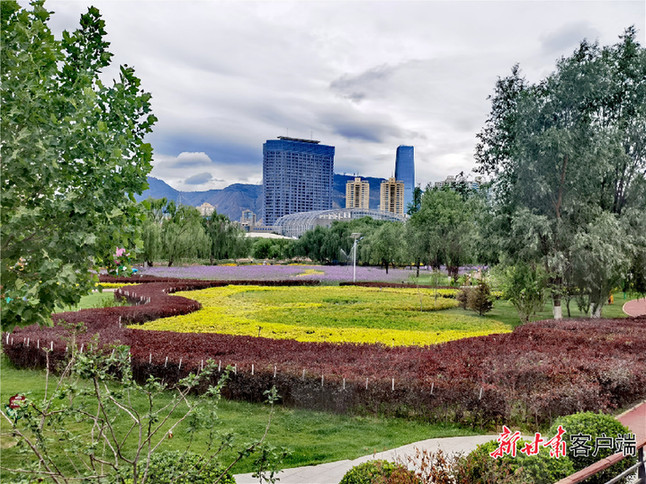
<point x="567" y="150"/>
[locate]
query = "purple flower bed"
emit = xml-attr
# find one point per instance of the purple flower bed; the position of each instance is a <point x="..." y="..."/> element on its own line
<point x="282" y="272"/>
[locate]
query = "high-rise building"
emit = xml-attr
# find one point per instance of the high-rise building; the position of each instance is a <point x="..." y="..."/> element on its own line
<point x="405" y="171"/>
<point x="297" y="177"/>
<point x="392" y="196"/>
<point x="357" y="194"/>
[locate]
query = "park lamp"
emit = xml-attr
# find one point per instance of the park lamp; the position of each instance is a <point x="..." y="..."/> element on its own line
<point x="356" y="236"/>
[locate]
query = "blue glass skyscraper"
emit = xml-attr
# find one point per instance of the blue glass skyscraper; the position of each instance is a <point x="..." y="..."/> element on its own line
<point x="405" y="171"/>
<point x="296" y="177"/>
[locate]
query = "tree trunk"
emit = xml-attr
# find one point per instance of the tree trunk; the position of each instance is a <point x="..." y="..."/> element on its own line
<point x="558" y="310"/>
<point x="417" y="262"/>
<point x="386" y="266"/>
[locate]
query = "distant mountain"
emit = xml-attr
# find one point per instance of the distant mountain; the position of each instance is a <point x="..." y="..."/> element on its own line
<point x="235" y="198"/>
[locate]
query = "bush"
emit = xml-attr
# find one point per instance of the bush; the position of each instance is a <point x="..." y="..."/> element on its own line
<point x="595" y="425"/>
<point x="379" y="471"/>
<point x="175" y="467"/>
<point x="479" y="466"/>
<point x="479" y="298"/>
<point x="463" y="296"/>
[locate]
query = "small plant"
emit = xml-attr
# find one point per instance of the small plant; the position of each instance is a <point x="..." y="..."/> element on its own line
<point x="479" y="299"/>
<point x="379" y="471"/>
<point x="583" y="430"/>
<point x="87" y="427"/>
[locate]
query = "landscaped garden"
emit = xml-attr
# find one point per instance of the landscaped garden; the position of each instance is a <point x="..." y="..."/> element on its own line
<point x="336" y="314"/>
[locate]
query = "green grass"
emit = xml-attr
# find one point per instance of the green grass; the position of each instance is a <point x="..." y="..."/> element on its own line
<point x="94" y="300"/>
<point x="506" y="313"/>
<point x="312" y="437"/>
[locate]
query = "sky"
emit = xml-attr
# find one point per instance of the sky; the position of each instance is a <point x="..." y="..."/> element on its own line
<point x="363" y="76"/>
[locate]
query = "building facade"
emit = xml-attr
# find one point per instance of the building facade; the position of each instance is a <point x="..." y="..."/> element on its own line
<point x="357" y="194"/>
<point x="405" y="171"/>
<point x="296" y="177"/>
<point x="206" y="209"/>
<point x="392" y="196"/>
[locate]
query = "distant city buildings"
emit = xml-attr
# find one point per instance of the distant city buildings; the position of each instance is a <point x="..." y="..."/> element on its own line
<point x="248" y="219"/>
<point x="357" y="194"/>
<point x="405" y="171"/>
<point x="206" y="209"/>
<point x="297" y="177"/>
<point x="392" y="196"/>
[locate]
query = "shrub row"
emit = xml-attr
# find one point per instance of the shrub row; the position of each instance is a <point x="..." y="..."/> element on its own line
<point x="538" y="372"/>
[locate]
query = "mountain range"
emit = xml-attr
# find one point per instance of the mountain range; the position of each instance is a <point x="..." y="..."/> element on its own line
<point x="232" y="200"/>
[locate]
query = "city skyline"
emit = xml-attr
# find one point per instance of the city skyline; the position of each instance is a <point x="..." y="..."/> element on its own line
<point x="225" y="76"/>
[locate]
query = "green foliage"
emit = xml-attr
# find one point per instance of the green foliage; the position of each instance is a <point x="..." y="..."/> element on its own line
<point x="444" y="228"/>
<point x="479" y="298"/>
<point x="385" y="246"/>
<point x="182" y="233"/>
<point x="524" y="285"/>
<point x="479" y="466"/>
<point x="567" y="154"/>
<point x="226" y="239"/>
<point x="73" y="155"/>
<point x="175" y="467"/>
<point x="151" y="230"/>
<point x="379" y="471"/>
<point x="595" y="425"/>
<point x="278" y="249"/>
<point x="88" y="425"/>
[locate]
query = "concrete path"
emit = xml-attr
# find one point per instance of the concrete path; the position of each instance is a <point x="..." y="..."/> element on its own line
<point x="635" y="420"/>
<point x="636" y="307"/>
<point x="333" y="472"/>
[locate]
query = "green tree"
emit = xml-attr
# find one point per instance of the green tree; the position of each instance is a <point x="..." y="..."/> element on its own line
<point x="524" y="286"/>
<point x="183" y="234"/>
<point x="226" y="239"/>
<point x="445" y="226"/>
<point x="151" y="230"/>
<point x="567" y="148"/>
<point x="73" y="155"/>
<point x="386" y="244"/>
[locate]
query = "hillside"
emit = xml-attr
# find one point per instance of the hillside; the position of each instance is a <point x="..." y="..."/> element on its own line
<point x="235" y="198"/>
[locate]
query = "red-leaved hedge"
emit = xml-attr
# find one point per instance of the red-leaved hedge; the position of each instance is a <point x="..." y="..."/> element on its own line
<point x="532" y="375"/>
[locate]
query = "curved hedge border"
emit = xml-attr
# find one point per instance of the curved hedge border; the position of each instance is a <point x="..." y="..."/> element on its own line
<point x="536" y="373"/>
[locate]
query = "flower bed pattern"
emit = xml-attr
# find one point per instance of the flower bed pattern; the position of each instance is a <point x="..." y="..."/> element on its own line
<point x="391" y="316"/>
<point x="537" y="372"/>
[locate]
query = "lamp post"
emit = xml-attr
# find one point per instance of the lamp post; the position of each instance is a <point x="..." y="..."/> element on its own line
<point x="356" y="236"/>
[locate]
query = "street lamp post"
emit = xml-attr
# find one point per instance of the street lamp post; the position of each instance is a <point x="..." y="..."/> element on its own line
<point x="355" y="236"/>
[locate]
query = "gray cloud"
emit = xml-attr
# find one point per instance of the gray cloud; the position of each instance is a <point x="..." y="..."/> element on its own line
<point x="199" y="179"/>
<point x="226" y="76"/>
<point x="566" y="38"/>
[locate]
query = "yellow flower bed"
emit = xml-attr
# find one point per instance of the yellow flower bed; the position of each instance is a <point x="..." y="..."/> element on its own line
<point x="114" y="285"/>
<point x="310" y="272"/>
<point x="390" y="316"/>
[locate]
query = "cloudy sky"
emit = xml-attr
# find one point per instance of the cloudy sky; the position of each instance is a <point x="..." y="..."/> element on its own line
<point x="363" y="76"/>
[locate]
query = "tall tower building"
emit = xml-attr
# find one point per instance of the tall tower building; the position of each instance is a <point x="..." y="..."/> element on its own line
<point x="392" y="196"/>
<point x="405" y="171"/>
<point x="357" y="194"/>
<point x="296" y="177"/>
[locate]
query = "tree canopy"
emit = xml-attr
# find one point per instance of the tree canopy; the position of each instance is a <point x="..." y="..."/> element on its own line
<point x="73" y="156"/>
<point x="568" y="155"/>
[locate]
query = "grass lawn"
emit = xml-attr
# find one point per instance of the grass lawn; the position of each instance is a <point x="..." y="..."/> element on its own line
<point x="94" y="300"/>
<point x="399" y="316"/>
<point x="506" y="313"/>
<point x="312" y="437"/>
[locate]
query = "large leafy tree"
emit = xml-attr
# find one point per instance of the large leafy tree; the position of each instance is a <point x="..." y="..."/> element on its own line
<point x="565" y="151"/>
<point x="73" y="155"/>
<point x="183" y="234"/>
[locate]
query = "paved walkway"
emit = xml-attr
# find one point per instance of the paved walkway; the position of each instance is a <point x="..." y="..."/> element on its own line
<point x="635" y="420"/>
<point x="333" y="472"/>
<point x="636" y="307"/>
